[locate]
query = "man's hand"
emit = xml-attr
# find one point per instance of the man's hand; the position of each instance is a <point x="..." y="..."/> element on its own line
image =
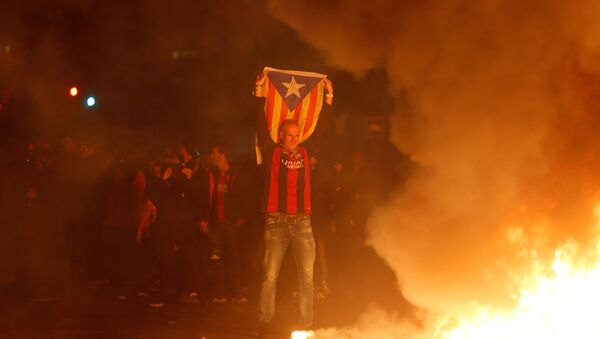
<point x="151" y="210"/>
<point x="187" y="172"/>
<point x="260" y="79"/>
<point x="203" y="225"/>
<point x="140" y="236"/>
<point x="328" y="86"/>
<point x="329" y="91"/>
<point x="258" y="85"/>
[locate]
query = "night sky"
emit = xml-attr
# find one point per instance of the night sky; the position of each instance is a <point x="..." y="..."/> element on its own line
<point x="158" y="69"/>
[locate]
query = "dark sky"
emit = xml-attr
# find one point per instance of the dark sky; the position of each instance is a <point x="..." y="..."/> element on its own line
<point x="161" y="68"/>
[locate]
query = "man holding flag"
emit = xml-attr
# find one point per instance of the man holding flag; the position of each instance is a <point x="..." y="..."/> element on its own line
<point x="292" y="106"/>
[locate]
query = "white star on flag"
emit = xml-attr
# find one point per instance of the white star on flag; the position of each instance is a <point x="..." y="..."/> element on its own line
<point x="292" y="87"/>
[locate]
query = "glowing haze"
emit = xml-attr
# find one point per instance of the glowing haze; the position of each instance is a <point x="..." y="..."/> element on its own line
<point x="496" y="101"/>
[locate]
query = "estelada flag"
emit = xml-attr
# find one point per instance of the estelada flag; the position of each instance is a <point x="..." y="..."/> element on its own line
<point x="292" y="95"/>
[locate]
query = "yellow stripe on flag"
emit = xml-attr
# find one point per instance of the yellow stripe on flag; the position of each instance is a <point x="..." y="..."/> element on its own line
<point x="303" y="115"/>
<point x="318" y="106"/>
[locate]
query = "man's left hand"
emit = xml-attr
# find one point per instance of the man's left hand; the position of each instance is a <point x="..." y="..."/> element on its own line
<point x="203" y="225"/>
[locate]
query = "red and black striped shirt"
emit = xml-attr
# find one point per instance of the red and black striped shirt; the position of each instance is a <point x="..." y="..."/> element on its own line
<point x="288" y="182"/>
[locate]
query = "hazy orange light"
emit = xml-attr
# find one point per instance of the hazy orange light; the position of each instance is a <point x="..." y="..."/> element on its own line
<point x="558" y="300"/>
<point x="301" y="334"/>
<point x="73" y="91"/>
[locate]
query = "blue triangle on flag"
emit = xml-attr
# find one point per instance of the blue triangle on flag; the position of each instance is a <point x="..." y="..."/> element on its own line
<point x="292" y="87"/>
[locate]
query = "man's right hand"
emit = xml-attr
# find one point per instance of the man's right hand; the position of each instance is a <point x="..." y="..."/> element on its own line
<point x="188" y="172"/>
<point x="260" y="79"/>
<point x="203" y="225"/>
<point x="139" y="238"/>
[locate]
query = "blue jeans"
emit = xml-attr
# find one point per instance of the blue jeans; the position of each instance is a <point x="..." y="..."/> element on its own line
<point x="281" y="230"/>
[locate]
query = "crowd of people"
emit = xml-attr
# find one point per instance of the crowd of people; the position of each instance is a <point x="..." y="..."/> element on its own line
<point x="180" y="219"/>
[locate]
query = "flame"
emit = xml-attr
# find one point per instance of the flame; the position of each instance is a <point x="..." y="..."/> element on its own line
<point x="301" y="334"/>
<point x="555" y="305"/>
<point x="561" y="305"/>
<point x="555" y="300"/>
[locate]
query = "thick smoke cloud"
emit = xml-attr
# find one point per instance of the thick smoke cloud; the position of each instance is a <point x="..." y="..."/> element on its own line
<point x="496" y="102"/>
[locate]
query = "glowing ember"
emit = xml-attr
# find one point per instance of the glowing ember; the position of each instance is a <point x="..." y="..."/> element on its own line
<point x="301" y="334"/>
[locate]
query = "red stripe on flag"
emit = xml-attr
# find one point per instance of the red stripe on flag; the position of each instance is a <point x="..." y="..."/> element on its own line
<point x="310" y="115"/>
<point x="297" y="111"/>
<point x="269" y="104"/>
<point x="283" y="112"/>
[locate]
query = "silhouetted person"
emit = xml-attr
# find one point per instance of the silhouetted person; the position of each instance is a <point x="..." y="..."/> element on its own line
<point x="124" y="207"/>
<point x="189" y="185"/>
<point x="158" y="228"/>
<point x="224" y="222"/>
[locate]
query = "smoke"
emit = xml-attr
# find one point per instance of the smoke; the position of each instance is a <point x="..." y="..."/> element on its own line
<point x="496" y="102"/>
<point x="373" y="324"/>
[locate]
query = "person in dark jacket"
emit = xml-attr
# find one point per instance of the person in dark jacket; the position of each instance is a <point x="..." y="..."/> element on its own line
<point x="158" y="223"/>
<point x="224" y="220"/>
<point x="190" y="193"/>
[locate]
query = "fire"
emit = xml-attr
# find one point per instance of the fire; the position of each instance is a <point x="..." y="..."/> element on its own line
<point x="301" y="334"/>
<point x="555" y="300"/>
<point x="561" y="303"/>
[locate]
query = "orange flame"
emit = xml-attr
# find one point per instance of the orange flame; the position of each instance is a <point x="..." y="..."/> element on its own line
<point x="556" y="300"/>
<point x="301" y="334"/>
<point x="557" y="305"/>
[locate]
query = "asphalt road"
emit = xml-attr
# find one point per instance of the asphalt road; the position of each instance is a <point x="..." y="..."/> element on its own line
<point x="92" y="311"/>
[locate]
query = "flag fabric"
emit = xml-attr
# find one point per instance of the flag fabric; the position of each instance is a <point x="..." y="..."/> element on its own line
<point x="292" y="95"/>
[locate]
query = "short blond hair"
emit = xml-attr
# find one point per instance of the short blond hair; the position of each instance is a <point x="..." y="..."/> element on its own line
<point x="286" y="123"/>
